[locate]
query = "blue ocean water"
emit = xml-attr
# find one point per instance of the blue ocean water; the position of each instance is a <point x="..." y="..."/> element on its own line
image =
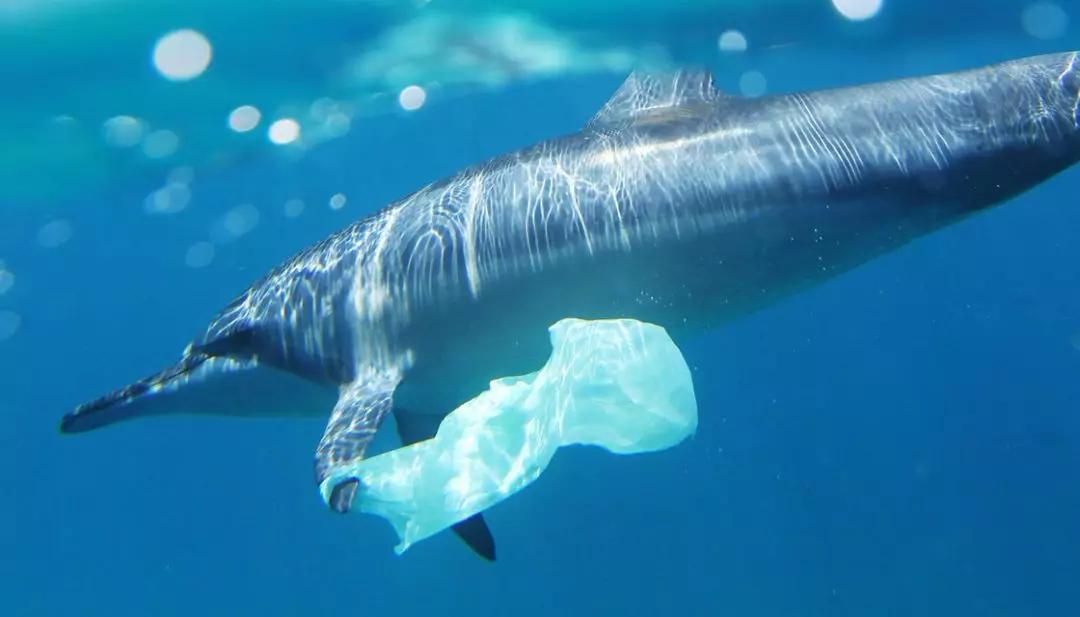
<point x="902" y="440"/>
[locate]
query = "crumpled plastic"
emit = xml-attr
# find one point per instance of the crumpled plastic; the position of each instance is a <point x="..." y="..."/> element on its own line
<point x="619" y="384"/>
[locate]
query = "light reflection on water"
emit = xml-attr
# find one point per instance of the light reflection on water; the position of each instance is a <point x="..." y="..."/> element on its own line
<point x="408" y="55"/>
<point x="284" y="131"/>
<point x="858" y="10"/>
<point x="1045" y="20"/>
<point x="293" y="208"/>
<point x="55" y="233"/>
<point x="7" y="279"/>
<point x="244" y="118"/>
<point x="200" y="254"/>
<point x="182" y="55"/>
<point x="9" y="324"/>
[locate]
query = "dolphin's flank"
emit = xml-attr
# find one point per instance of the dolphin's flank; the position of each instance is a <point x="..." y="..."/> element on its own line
<point x="676" y="204"/>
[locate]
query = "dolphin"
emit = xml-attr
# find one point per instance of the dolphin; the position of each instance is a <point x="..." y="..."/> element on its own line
<point x="677" y="204"/>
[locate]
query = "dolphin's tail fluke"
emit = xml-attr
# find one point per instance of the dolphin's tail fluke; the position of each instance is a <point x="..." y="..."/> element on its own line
<point x="132" y="401"/>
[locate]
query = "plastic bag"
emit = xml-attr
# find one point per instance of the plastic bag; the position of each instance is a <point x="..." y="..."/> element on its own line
<point x="621" y="384"/>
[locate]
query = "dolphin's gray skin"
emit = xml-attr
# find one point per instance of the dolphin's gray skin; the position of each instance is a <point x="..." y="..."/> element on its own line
<point x="677" y="204"/>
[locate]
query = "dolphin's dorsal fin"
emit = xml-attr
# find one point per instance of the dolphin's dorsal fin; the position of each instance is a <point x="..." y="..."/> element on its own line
<point x="645" y="93"/>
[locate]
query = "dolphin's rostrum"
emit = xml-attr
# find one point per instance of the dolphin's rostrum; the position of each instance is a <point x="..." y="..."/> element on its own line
<point x="677" y="204"/>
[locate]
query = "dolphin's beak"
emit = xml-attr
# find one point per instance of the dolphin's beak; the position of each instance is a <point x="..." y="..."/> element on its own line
<point x="154" y="395"/>
<point x="202" y="384"/>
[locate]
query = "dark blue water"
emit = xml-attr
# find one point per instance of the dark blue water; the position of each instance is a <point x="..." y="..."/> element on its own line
<point x="903" y="440"/>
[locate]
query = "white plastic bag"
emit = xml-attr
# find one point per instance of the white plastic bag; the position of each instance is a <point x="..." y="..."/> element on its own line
<point x="621" y="384"/>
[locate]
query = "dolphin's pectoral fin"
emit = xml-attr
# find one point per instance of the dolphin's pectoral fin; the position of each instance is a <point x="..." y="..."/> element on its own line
<point x="359" y="412"/>
<point x="473" y="530"/>
<point x="646" y="95"/>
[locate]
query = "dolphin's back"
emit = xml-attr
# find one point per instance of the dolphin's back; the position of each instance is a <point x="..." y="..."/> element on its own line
<point x="913" y="154"/>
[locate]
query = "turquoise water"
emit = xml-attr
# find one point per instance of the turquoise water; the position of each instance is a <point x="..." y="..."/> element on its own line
<point x="903" y="440"/>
